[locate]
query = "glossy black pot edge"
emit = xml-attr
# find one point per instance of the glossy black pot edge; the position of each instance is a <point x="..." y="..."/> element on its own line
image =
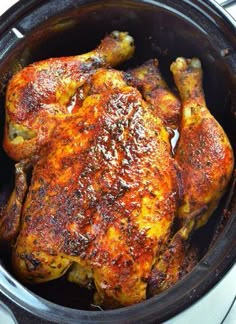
<point x="15" y="12"/>
<point x="166" y="304"/>
<point x="213" y="5"/>
<point x="20" y="8"/>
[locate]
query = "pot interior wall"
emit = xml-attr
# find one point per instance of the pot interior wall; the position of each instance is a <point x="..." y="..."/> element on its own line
<point x="160" y="32"/>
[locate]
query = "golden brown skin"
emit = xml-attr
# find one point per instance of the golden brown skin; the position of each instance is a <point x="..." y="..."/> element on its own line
<point x="203" y="153"/>
<point x="168" y="268"/>
<point x="148" y="79"/>
<point x="102" y="80"/>
<point x="102" y="197"/>
<point x="206" y="161"/>
<point x="104" y="189"/>
<point x="39" y="95"/>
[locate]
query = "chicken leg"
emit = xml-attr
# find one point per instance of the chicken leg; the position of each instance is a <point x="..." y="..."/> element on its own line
<point x="41" y="94"/>
<point x="204" y="153"/>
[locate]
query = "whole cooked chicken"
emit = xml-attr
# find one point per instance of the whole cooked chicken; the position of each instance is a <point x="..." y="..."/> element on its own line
<point x="106" y="185"/>
<point x="103" y="196"/>
<point x="101" y="201"/>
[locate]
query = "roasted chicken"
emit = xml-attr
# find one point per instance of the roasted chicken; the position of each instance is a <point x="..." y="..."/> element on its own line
<point x="205" y="158"/>
<point x="106" y="185"/>
<point x="100" y="196"/>
<point x="203" y="151"/>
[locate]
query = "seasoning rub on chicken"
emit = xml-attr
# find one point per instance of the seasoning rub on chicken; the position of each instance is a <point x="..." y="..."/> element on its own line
<point x="106" y="185"/>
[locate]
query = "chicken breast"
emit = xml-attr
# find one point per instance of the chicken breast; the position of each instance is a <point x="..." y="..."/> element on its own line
<point x="103" y="194"/>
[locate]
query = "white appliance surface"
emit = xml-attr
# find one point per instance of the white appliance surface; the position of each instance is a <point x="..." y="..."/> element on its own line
<point x="217" y="307"/>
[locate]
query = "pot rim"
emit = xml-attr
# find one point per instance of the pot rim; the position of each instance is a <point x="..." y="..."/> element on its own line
<point x="167" y="304"/>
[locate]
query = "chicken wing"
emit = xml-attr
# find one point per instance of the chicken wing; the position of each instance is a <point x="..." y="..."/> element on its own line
<point x="11" y="213"/>
<point x="178" y="259"/>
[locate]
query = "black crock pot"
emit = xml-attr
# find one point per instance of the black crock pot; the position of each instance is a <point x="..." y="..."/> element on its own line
<point x="38" y="29"/>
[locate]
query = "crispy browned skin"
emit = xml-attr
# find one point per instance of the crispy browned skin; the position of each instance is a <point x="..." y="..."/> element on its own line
<point x="168" y="268"/>
<point x="206" y="161"/>
<point x="104" y="189"/>
<point x="204" y="152"/>
<point x="102" y="197"/>
<point x="148" y="79"/>
<point x="43" y="92"/>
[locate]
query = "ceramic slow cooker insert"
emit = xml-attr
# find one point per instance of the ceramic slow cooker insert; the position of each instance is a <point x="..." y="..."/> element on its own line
<point x="35" y="30"/>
